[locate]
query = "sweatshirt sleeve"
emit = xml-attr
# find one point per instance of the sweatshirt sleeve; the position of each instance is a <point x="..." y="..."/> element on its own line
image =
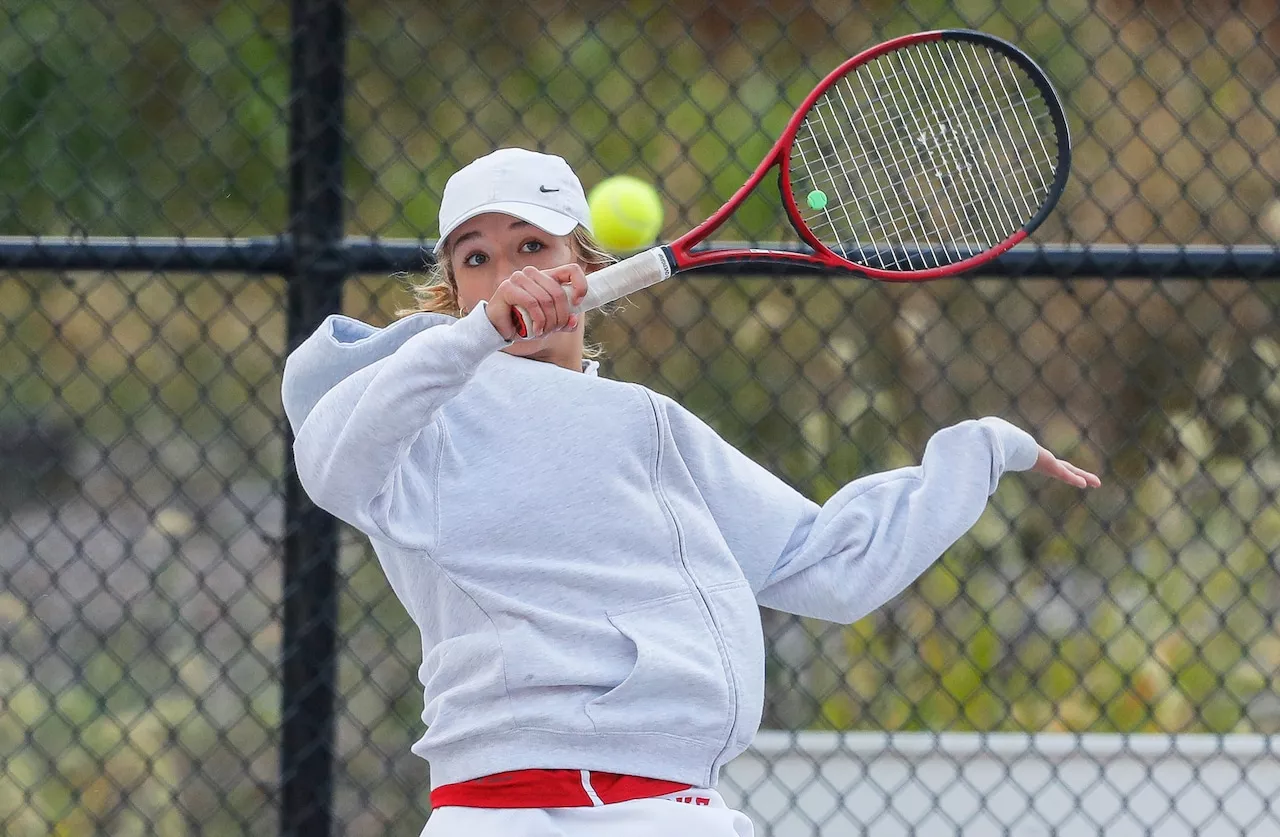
<point x="872" y="538"/>
<point x="352" y="443"/>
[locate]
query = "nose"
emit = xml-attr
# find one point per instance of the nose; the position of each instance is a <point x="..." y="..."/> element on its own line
<point x="503" y="267"/>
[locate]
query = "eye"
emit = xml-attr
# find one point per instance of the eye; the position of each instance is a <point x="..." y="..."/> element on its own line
<point x="475" y="259"/>
<point x="533" y="245"/>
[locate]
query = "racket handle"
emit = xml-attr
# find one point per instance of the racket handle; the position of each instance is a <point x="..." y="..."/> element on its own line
<point x="611" y="283"/>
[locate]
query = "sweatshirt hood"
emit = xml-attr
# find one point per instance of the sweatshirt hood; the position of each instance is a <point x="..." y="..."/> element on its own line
<point x="341" y="347"/>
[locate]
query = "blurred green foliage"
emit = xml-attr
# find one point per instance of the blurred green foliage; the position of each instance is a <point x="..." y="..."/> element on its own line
<point x="1145" y="606"/>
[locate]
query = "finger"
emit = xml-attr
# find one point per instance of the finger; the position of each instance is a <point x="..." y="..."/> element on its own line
<point x="556" y="289"/>
<point x="1058" y="470"/>
<point x="1080" y="479"/>
<point x="571" y="285"/>
<point x="526" y="320"/>
<point x="574" y="276"/>
<point x="1089" y="477"/>
<point x="544" y="292"/>
<point x="548" y="297"/>
<point x="1071" y="471"/>
<point x="1073" y="468"/>
<point x="531" y="307"/>
<point x="559" y="309"/>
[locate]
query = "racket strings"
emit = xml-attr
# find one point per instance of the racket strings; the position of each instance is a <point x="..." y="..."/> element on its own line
<point x="984" y="218"/>
<point x="1002" y="216"/>
<point x="970" y="205"/>
<point x="969" y="216"/>
<point x="972" y="218"/>
<point x="867" y="160"/>
<point x="1021" y="152"/>
<point x="925" y="156"/>
<point x="987" y="220"/>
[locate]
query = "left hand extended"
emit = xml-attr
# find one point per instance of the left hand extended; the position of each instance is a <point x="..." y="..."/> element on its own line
<point x="1060" y="469"/>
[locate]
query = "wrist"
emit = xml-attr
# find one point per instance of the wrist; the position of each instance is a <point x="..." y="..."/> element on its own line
<point x="1021" y="450"/>
<point x="504" y="329"/>
<point x="482" y="312"/>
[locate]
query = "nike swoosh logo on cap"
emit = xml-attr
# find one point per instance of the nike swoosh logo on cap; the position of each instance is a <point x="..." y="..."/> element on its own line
<point x="545" y="189"/>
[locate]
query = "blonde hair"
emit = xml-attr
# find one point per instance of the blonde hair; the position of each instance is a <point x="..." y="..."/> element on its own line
<point x="438" y="292"/>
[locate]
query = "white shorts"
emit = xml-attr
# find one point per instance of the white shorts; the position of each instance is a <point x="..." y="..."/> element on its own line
<point x="687" y="813"/>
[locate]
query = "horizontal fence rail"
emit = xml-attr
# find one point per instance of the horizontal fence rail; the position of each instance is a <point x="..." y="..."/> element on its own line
<point x="364" y="255"/>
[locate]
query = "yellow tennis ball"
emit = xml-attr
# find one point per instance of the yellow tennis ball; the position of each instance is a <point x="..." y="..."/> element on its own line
<point x="626" y="213"/>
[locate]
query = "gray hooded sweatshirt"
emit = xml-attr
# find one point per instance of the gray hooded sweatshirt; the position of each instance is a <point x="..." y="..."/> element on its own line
<point x="584" y="557"/>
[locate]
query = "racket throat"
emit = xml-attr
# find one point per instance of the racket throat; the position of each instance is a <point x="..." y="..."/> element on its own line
<point x="673" y="264"/>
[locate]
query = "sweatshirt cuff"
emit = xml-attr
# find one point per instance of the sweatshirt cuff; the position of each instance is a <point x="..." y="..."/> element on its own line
<point x="1021" y="450"/>
<point x="477" y="338"/>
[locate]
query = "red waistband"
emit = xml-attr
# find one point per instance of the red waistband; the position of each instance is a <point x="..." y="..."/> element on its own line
<point x="550" y="789"/>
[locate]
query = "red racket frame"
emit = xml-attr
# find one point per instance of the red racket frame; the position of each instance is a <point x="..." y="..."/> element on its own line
<point x="682" y="257"/>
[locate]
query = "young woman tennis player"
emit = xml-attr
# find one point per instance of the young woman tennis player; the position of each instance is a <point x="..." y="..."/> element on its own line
<point x="584" y="558"/>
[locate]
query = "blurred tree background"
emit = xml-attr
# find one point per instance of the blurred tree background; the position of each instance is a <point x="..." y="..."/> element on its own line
<point x="140" y="464"/>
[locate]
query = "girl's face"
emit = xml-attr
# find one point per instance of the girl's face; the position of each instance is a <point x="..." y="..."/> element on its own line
<point x="486" y="250"/>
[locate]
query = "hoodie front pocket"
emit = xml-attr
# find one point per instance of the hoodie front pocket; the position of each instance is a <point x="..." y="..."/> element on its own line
<point x="678" y="683"/>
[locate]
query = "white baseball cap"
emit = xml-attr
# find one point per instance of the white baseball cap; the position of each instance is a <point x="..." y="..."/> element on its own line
<point x="538" y="188"/>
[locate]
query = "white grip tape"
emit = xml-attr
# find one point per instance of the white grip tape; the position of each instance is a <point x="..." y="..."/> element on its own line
<point x="617" y="280"/>
<point x="626" y="277"/>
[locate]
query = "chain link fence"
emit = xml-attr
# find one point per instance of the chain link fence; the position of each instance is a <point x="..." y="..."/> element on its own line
<point x="1076" y="665"/>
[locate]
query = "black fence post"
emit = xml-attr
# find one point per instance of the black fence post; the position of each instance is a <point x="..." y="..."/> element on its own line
<point x="315" y="280"/>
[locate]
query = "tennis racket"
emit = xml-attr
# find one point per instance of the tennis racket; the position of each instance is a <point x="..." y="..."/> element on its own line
<point x="923" y="157"/>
